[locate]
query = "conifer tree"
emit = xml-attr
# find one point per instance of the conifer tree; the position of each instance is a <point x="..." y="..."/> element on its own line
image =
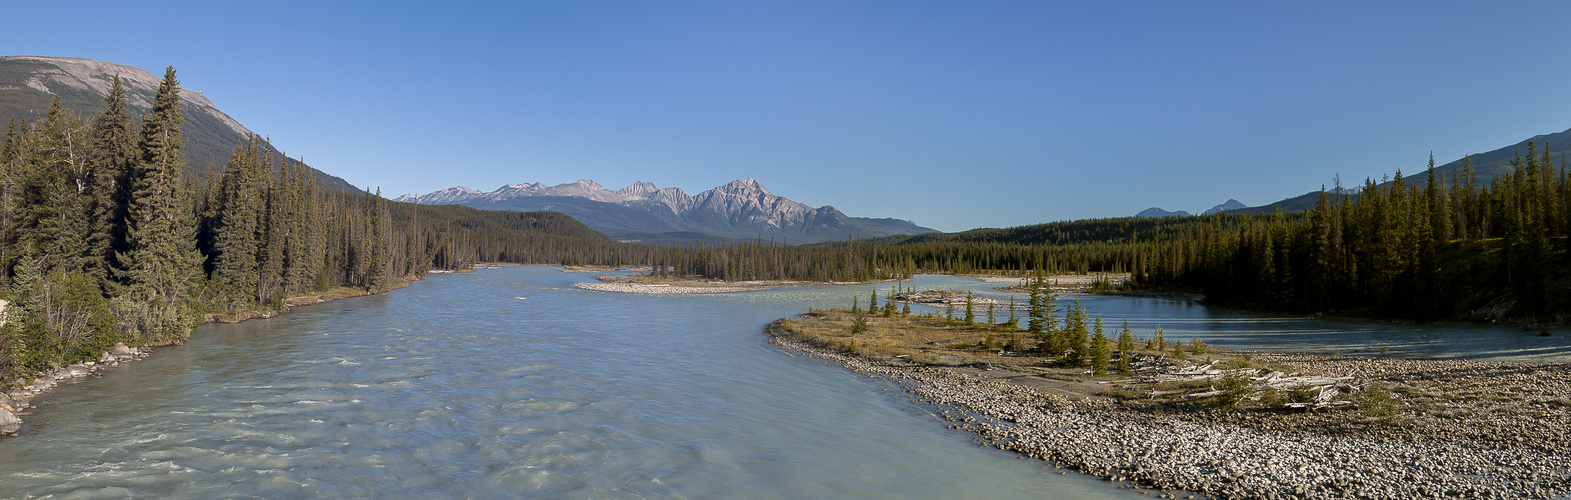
<point x="161" y="259"/>
<point x="238" y="227"/>
<point x="114" y="160"/>
<point x="1075" y="334"/>
<point x="1126" y="347"/>
<point x="1098" y="349"/>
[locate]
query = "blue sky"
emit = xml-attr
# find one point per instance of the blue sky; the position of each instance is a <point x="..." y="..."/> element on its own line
<point x="952" y="114"/>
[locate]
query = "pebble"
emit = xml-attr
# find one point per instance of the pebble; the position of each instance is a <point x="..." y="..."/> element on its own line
<point x="1218" y="459"/>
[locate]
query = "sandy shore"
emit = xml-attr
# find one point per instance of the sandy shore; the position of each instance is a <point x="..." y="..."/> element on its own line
<point x="1513" y="447"/>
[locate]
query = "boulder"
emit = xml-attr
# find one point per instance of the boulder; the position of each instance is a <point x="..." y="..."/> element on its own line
<point x="120" y="350"/>
<point x="9" y="422"/>
<point x="42" y="384"/>
<point x="76" y="370"/>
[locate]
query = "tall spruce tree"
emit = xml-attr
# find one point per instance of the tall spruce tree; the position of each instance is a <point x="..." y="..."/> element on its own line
<point x="239" y="207"/>
<point x="114" y="158"/>
<point x="161" y="258"/>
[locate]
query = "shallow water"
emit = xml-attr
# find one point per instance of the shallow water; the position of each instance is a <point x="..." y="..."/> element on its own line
<point x="510" y="383"/>
<point x="506" y="383"/>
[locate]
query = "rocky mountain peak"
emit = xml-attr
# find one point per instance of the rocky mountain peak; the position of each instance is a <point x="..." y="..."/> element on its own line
<point x="639" y="190"/>
<point x="745" y="187"/>
<point x="741" y="208"/>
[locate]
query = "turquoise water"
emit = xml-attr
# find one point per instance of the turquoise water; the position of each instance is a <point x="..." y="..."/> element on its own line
<point x="506" y="383"/>
<point x="512" y="383"/>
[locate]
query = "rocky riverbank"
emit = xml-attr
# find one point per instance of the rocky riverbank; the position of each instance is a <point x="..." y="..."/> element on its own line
<point x="1461" y="429"/>
<point x="16" y="403"/>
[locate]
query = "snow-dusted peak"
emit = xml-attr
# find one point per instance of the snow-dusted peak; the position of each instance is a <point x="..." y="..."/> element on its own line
<point x="449" y="196"/>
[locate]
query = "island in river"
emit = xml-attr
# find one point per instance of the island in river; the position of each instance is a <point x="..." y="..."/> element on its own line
<point x="1225" y="423"/>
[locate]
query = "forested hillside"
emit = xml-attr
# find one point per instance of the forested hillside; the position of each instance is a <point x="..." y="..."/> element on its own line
<point x="1447" y="248"/>
<point x="105" y="239"/>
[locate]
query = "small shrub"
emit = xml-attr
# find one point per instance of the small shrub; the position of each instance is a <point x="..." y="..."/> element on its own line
<point x="1199" y="347"/>
<point x="1272" y="399"/>
<point x="1234" y="386"/>
<point x="1377" y="404"/>
<point x="859" y="325"/>
<point x="1301" y="394"/>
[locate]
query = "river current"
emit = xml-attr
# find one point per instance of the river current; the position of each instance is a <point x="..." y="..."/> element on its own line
<point x="512" y="383"/>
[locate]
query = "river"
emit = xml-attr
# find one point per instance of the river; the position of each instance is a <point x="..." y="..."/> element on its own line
<point x="512" y="383"/>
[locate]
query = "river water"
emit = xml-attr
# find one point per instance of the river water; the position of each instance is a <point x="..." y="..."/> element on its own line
<point x="512" y="383"/>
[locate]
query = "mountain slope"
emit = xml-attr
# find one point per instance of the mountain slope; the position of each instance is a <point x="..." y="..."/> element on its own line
<point x="643" y="211"/>
<point x="1486" y="167"/>
<point x="29" y="83"/>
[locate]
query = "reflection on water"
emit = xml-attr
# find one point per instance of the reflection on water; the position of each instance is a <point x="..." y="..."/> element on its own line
<point x="1185" y="319"/>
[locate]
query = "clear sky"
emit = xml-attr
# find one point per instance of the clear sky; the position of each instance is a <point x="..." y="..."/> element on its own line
<point x="952" y="114"/>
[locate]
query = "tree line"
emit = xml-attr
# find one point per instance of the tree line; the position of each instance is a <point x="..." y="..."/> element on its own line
<point x="1451" y="247"/>
<point x="103" y="239"/>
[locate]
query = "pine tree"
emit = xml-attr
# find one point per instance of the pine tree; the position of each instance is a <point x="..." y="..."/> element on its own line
<point x="238" y="232"/>
<point x="1126" y="347"/>
<point x="114" y="158"/>
<point x="161" y="259"/>
<point x="1098" y="349"/>
<point x="1014" y="320"/>
<point x="1075" y="334"/>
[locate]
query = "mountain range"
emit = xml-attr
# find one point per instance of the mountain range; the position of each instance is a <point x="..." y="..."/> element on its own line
<point x="29" y="83"/>
<point x="646" y="213"/>
<point x="1230" y="204"/>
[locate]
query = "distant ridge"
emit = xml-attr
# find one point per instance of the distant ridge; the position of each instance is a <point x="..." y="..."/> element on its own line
<point x="1230" y="204"/>
<point x="1158" y="212"/>
<point x="1486" y="167"/>
<point x="643" y="212"/>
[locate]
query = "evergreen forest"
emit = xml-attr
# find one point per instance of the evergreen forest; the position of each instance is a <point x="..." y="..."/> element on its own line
<point x="104" y="240"/>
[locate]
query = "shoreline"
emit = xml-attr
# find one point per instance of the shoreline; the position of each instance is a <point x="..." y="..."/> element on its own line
<point x="16" y="401"/>
<point x="645" y="284"/>
<point x="1236" y="454"/>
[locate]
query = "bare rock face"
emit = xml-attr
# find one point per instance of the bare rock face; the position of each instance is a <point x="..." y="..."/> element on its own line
<point x="87" y="74"/>
<point x="744" y="201"/>
<point x="742" y="208"/>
